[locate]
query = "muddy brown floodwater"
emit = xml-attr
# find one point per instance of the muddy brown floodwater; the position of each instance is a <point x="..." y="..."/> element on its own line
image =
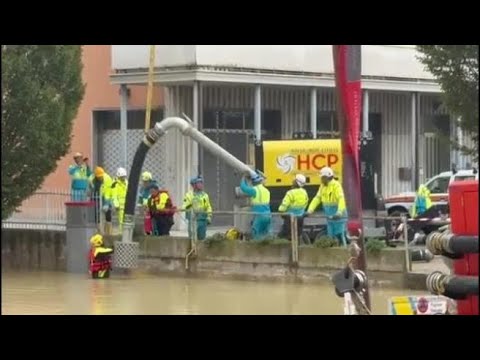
<point x="60" y="293"/>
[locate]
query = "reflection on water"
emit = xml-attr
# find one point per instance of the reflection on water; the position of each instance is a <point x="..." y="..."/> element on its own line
<point x="60" y="293"/>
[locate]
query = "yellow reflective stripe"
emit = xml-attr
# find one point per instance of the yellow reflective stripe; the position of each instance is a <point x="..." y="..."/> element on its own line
<point x="402" y="305"/>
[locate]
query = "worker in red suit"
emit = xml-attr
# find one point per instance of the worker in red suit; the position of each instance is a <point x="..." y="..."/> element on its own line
<point x="161" y="210"/>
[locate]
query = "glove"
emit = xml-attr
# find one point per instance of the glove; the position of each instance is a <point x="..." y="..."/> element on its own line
<point x="306" y="214"/>
<point x="105" y="208"/>
<point x="335" y="217"/>
<point x="209" y="221"/>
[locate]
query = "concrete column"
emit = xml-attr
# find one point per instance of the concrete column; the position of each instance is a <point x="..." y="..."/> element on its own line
<point x="313" y="112"/>
<point x="195" y="168"/>
<point x="459" y="161"/>
<point x="200" y="123"/>
<point x="366" y="110"/>
<point x="414" y="140"/>
<point x="258" y="114"/>
<point x="123" y="123"/>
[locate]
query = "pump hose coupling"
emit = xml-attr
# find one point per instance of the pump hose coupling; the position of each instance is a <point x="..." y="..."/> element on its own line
<point x="450" y="245"/>
<point x="453" y="287"/>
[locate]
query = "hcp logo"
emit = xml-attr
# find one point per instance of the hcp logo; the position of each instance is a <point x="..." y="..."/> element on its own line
<point x="286" y="163"/>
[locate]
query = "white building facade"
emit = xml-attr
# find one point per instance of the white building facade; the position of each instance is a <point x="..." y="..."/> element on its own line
<point x="241" y="94"/>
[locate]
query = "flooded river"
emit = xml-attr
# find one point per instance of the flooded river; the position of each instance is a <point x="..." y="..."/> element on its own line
<point x="60" y="293"/>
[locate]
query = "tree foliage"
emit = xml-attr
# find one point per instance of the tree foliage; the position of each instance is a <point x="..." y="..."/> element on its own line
<point x="41" y="91"/>
<point x="456" y="69"/>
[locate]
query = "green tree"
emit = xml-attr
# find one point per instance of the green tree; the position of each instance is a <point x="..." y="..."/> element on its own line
<point x="41" y="91"/>
<point x="456" y="69"/>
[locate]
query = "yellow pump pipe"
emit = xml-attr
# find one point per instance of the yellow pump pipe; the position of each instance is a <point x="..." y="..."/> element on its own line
<point x="151" y="67"/>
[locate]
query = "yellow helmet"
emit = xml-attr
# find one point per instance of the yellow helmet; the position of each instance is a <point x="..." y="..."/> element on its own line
<point x="99" y="172"/>
<point x="96" y="240"/>
<point x="233" y="234"/>
<point x="147" y="176"/>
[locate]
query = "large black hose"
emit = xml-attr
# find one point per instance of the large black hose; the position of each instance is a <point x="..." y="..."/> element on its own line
<point x="463" y="245"/>
<point x="453" y="287"/>
<point x="133" y="181"/>
<point x="451" y="245"/>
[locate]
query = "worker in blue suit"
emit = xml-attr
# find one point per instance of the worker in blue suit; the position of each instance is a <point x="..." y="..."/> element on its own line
<point x="198" y="202"/>
<point x="260" y="196"/>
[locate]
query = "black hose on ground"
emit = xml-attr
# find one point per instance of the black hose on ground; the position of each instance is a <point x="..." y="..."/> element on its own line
<point x="453" y="287"/>
<point x="421" y="255"/>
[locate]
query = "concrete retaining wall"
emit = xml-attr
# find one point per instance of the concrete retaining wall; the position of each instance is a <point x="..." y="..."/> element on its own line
<point x="44" y="250"/>
<point x="268" y="262"/>
<point x="33" y="250"/>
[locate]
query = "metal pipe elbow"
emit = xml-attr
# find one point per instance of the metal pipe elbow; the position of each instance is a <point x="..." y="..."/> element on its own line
<point x="166" y="124"/>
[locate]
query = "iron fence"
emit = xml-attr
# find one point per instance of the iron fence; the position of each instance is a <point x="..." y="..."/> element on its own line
<point x="46" y="210"/>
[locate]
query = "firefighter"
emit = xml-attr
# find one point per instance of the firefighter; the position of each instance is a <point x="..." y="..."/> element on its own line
<point x="260" y="205"/>
<point x="119" y="194"/>
<point x="80" y="173"/>
<point x="161" y="210"/>
<point x="295" y="202"/>
<point x="422" y="203"/>
<point x="147" y="180"/>
<point x="101" y="186"/>
<point x="100" y="258"/>
<point x="197" y="203"/>
<point x="330" y="196"/>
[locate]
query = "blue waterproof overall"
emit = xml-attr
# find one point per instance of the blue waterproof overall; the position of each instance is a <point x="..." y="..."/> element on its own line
<point x="199" y="203"/>
<point x="260" y="207"/>
<point x="80" y="183"/>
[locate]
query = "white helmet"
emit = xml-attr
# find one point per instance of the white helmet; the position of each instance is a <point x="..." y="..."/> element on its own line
<point x="300" y="180"/>
<point x="121" y="172"/>
<point x="326" y="171"/>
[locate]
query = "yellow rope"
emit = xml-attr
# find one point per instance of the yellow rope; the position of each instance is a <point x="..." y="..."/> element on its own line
<point x="150" y="88"/>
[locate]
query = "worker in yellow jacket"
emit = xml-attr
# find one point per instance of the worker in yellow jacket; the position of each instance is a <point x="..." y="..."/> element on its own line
<point x="295" y="203"/>
<point x="101" y="188"/>
<point x="119" y="194"/>
<point x="330" y="195"/>
<point x="197" y="201"/>
<point x="422" y="203"/>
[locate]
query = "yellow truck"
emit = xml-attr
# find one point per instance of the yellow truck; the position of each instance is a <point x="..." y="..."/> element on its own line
<point x="281" y="160"/>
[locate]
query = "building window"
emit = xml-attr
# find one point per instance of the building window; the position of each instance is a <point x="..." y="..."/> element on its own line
<point x="327" y="124"/>
<point x="110" y="119"/>
<point x="439" y="185"/>
<point x="243" y="120"/>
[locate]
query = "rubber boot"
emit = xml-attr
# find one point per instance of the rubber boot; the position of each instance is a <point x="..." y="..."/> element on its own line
<point x="108" y="228"/>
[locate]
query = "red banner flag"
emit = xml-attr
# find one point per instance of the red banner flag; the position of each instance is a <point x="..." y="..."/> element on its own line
<point x="348" y="76"/>
<point x="347" y="60"/>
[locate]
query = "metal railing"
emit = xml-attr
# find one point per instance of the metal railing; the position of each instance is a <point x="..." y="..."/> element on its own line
<point x="297" y="240"/>
<point x="46" y="210"/>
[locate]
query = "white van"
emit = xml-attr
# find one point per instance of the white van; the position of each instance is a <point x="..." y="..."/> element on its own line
<point x="438" y="185"/>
